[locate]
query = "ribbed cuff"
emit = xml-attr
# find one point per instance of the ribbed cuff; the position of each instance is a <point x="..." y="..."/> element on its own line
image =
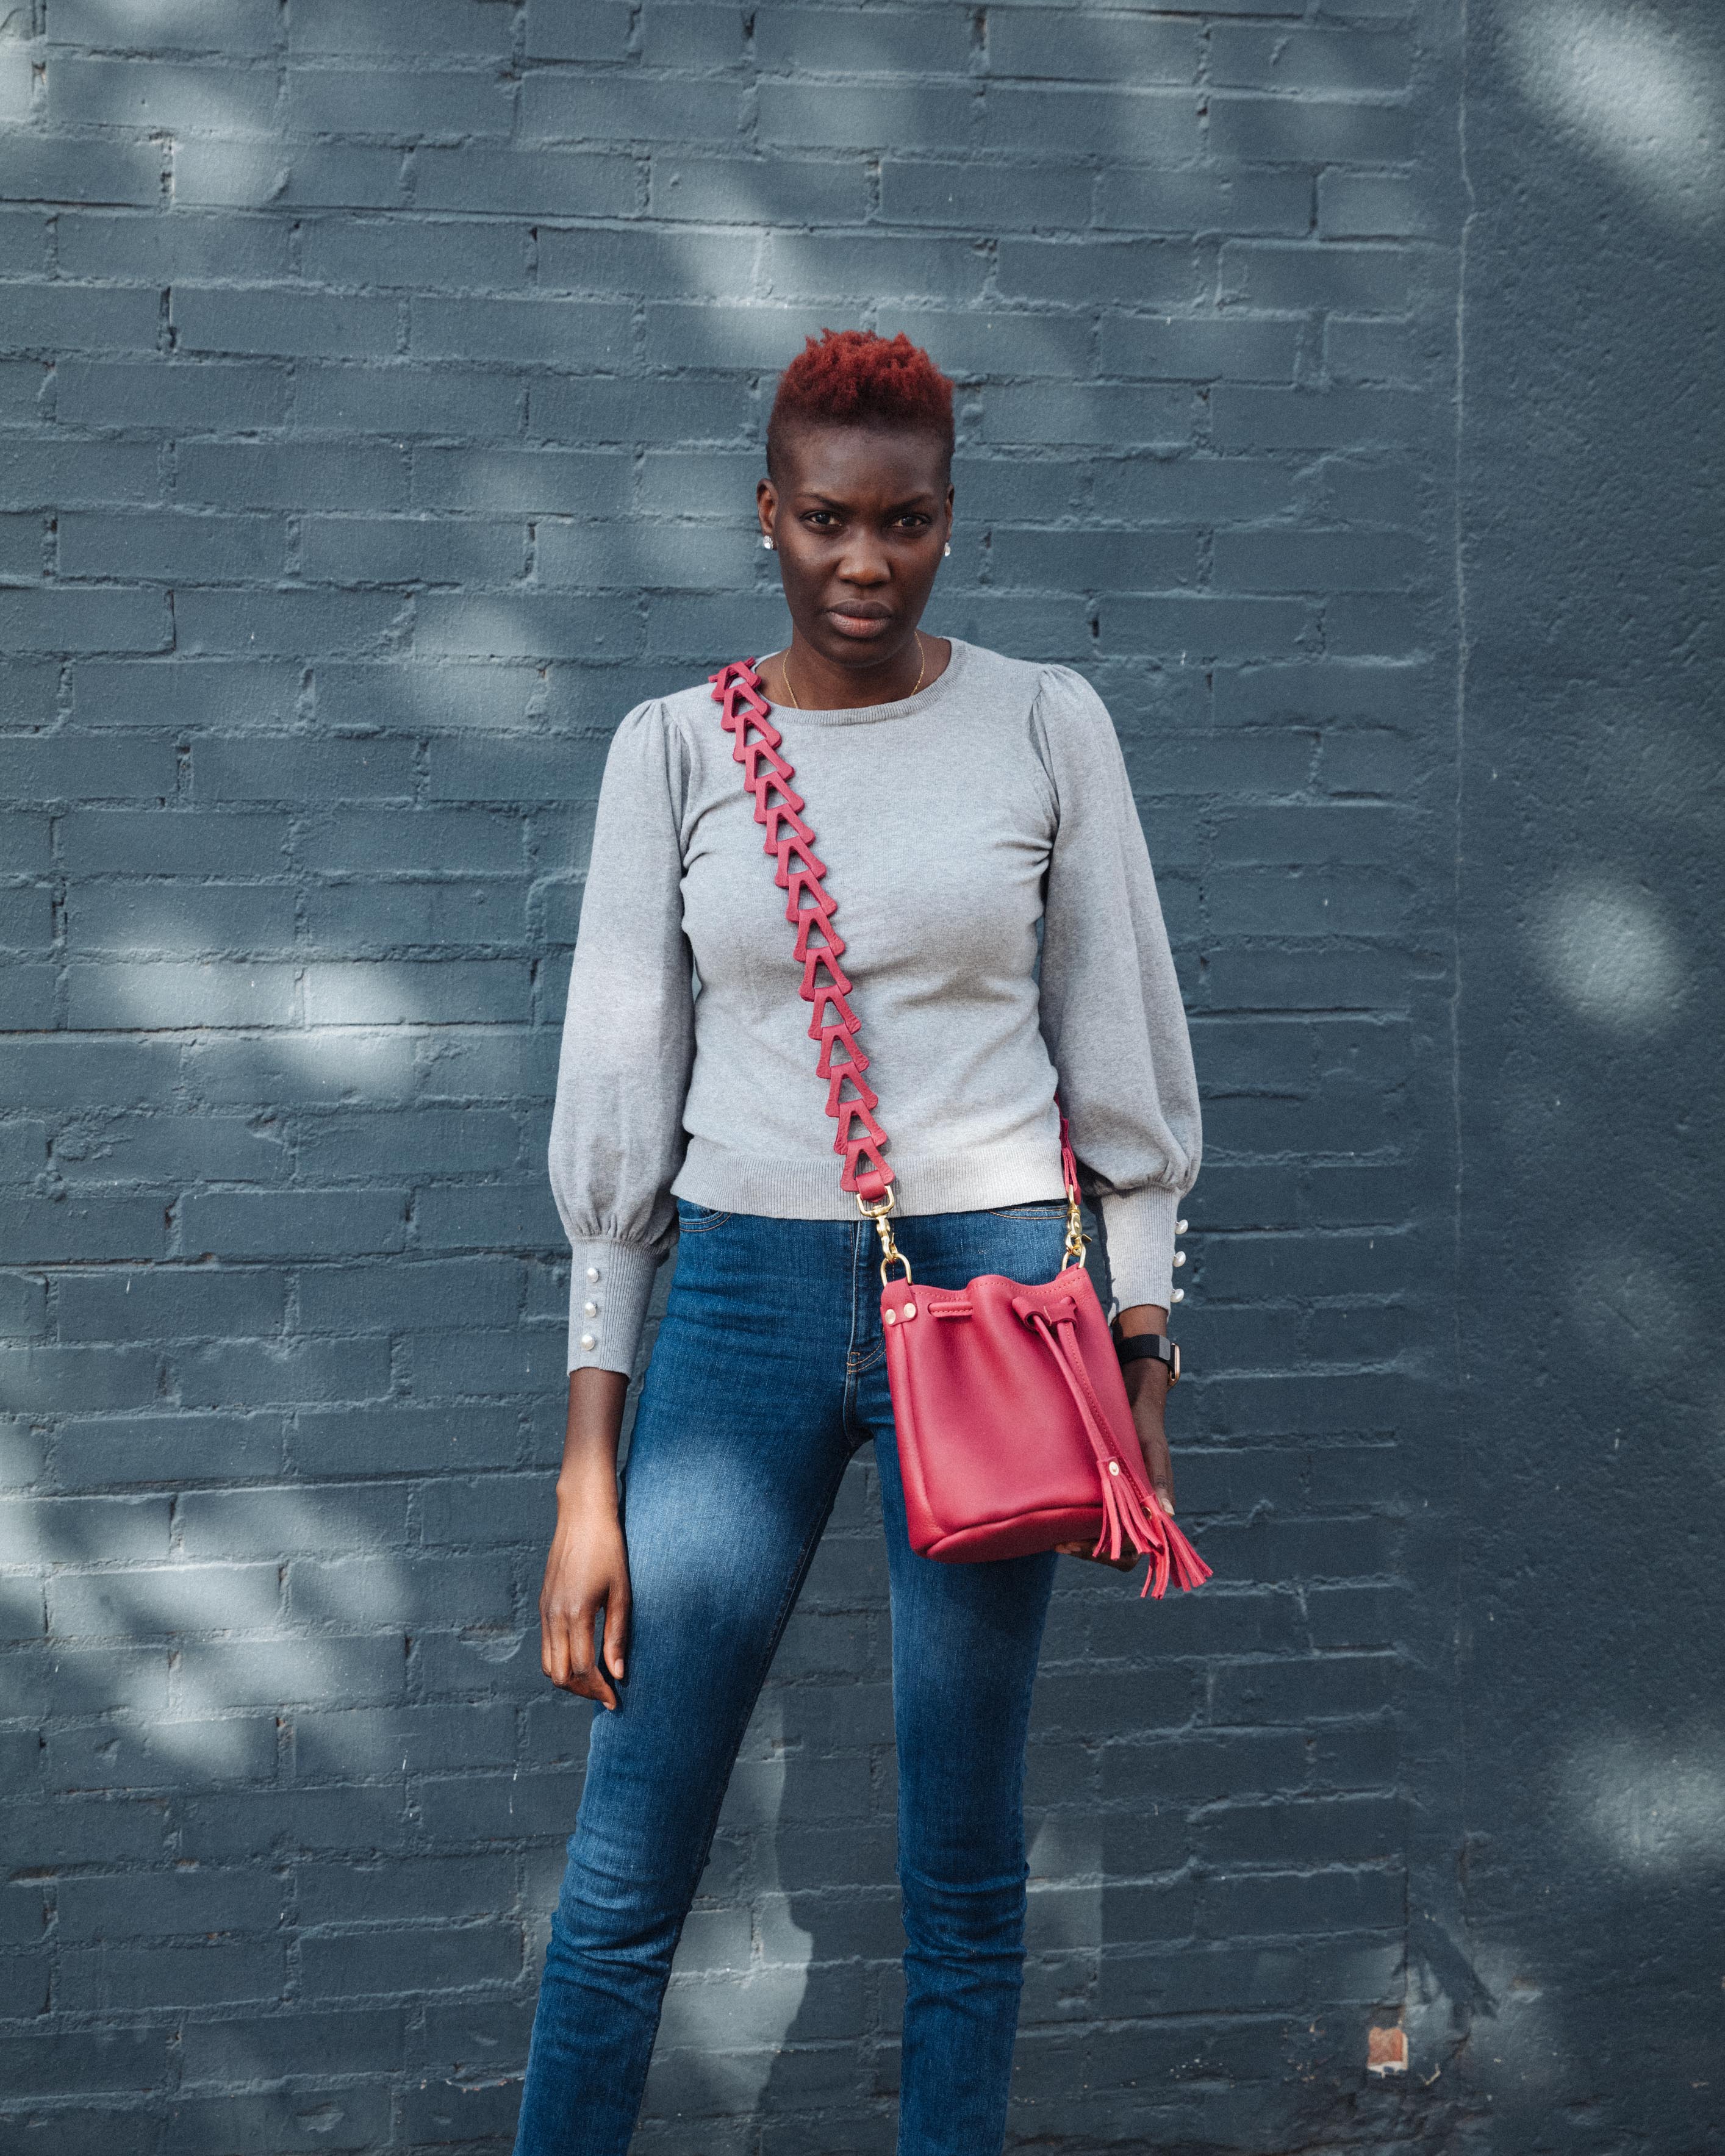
<point x="1141" y="1245"/>
<point x="610" y="1286"/>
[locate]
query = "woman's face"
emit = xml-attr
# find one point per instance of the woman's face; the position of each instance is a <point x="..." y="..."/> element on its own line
<point x="860" y="515"/>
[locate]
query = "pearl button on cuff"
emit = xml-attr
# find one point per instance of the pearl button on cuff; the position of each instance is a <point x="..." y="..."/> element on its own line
<point x="1181" y="1226"/>
<point x="587" y="1343"/>
<point x="589" y="1310"/>
<point x="593" y="1272"/>
<point x="1179" y="1257"/>
<point x="1179" y="1295"/>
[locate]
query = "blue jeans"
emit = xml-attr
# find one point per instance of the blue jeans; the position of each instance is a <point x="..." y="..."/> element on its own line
<point x="768" y="1375"/>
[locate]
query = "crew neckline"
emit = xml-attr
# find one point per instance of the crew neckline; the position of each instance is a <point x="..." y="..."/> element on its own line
<point x="905" y="707"/>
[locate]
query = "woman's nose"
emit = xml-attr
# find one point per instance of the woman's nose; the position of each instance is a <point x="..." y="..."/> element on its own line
<point x="863" y="564"/>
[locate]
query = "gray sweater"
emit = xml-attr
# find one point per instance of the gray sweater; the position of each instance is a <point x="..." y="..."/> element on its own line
<point x="1003" y="935"/>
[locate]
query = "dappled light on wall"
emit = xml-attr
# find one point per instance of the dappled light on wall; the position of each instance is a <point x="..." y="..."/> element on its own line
<point x="1656" y="1807"/>
<point x="1644" y="96"/>
<point x="1604" y="947"/>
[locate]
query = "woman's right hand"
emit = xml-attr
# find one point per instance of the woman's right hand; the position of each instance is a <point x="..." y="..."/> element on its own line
<point x="588" y="1570"/>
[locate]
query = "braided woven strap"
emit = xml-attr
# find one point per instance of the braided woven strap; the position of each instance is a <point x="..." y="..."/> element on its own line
<point x="809" y="908"/>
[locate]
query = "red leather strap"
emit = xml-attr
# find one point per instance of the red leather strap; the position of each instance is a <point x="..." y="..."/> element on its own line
<point x="1131" y="1514"/>
<point x="810" y="907"/>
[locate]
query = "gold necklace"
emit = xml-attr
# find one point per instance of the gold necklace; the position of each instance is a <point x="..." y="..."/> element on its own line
<point x="784" y="667"/>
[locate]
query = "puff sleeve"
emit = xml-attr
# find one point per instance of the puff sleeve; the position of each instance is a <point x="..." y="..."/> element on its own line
<point x="1109" y="1003"/>
<point x="617" y="1136"/>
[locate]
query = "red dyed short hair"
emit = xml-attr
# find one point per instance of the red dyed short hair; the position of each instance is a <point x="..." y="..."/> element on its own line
<point x="852" y="377"/>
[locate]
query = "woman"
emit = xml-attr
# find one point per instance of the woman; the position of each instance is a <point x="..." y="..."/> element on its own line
<point x="1002" y="934"/>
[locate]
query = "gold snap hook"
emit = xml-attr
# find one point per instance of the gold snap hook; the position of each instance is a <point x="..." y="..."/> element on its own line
<point x="891" y="1253"/>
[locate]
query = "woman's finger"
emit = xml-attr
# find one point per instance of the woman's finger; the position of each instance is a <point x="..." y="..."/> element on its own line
<point x="586" y="1676"/>
<point x="617" y="1629"/>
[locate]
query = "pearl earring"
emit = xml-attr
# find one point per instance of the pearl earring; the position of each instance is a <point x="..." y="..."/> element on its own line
<point x="766" y="541"/>
<point x="947" y="549"/>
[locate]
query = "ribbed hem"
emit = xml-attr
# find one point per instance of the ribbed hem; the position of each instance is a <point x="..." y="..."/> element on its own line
<point x="617" y="1278"/>
<point x="1140" y="1225"/>
<point x="808" y="1190"/>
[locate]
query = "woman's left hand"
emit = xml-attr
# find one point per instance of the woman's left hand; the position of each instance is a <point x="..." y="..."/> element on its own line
<point x="1147" y="1385"/>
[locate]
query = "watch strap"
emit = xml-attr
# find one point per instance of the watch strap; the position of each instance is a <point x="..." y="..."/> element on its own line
<point x="1150" y="1347"/>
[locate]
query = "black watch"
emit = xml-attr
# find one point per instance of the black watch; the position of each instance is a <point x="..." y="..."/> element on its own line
<point x="1151" y="1348"/>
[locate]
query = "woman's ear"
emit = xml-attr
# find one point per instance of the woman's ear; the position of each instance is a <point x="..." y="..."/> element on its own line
<point x="767" y="508"/>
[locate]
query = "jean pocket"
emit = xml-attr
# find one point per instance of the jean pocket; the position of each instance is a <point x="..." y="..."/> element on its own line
<point x="698" y="1220"/>
<point x="1040" y="1209"/>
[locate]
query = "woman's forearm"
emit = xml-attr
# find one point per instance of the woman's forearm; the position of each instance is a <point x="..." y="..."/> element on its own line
<point x="1142" y="1317"/>
<point x="588" y="1479"/>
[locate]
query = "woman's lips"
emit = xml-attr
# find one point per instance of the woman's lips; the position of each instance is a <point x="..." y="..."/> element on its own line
<point x="861" y="626"/>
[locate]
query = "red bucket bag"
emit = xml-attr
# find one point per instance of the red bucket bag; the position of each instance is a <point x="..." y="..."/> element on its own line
<point x="1014" y="1432"/>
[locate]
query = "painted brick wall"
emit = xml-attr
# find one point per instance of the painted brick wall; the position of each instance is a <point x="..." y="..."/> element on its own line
<point x="383" y="388"/>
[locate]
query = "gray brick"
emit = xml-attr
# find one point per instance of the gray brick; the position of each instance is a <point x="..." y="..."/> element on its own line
<point x="246" y="1373"/>
<point x="405" y="399"/>
<point x="70" y="617"/>
<point x="87" y="1226"/>
<point x="352" y="2118"/>
<point x="347" y="100"/>
<point x="180" y="1302"/>
<point x="165" y="1755"/>
<point x="1174" y="349"/>
<point x="699" y="35"/>
<point x="1113" y="50"/>
<point x="300" y="476"/>
<point x="91" y="2061"/>
<point x="552" y="332"/>
<point x="1128" y="272"/>
<point x="299" y="1223"/>
<point x="1367" y="351"/>
<point x="527" y="183"/>
<point x="1195" y="200"/>
<point x="582" y="105"/>
<point x="274" y="319"/>
<point x="21" y="383"/>
<point x="295" y="768"/>
<point x="288" y="1672"/>
<point x="884" y="116"/>
<point x="399" y="1437"/>
<point x="596" y="32"/>
<point x="168" y="548"/>
<point x="62" y="170"/>
<point x="1310" y="130"/>
<point x="314" y="176"/>
<point x="751" y="190"/>
<point x="160" y="95"/>
<point x="799" y="264"/>
<point x="266" y="2047"/>
<point x="1084" y="119"/>
<point x="418" y="1959"/>
<point x="1369" y="206"/>
<point x="648" y="262"/>
<point x="1345" y="62"/>
<point x="228" y="26"/>
<point x="1036" y="412"/>
<point x="414" y="28"/>
<point x="46" y="475"/>
<point x="157" y="250"/>
<point x="1354" y="280"/>
<point x="529" y="482"/>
